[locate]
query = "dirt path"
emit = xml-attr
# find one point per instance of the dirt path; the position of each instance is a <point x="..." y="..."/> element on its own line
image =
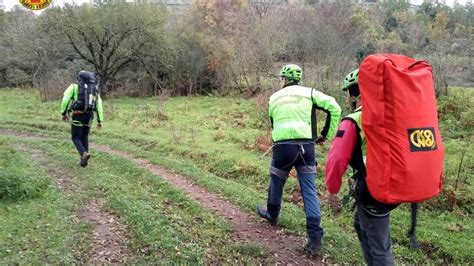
<point x="245" y="227"/>
<point x="63" y="180"/>
<point x="108" y="237"/>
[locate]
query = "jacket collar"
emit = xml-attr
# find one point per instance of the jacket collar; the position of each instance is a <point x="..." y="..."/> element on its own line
<point x="290" y="84"/>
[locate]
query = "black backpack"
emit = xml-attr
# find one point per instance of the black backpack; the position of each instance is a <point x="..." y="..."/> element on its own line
<point x="88" y="92"/>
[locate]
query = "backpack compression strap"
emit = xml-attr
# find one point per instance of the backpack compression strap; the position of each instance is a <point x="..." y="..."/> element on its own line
<point x="412" y="230"/>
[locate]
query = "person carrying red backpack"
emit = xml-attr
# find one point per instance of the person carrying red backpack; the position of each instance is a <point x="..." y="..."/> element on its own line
<point x="371" y="218"/>
<point x="385" y="140"/>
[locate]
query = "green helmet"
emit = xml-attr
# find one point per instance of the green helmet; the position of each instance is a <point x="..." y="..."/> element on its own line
<point x="351" y="79"/>
<point x="291" y="72"/>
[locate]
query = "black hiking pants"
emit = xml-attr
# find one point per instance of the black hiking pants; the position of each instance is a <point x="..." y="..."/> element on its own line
<point x="374" y="236"/>
<point x="80" y="127"/>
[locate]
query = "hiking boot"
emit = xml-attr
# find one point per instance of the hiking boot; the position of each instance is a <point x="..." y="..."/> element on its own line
<point x="314" y="247"/>
<point x="84" y="158"/>
<point x="266" y="215"/>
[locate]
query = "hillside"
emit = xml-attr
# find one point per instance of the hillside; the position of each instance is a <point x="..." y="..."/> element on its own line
<point x="165" y="173"/>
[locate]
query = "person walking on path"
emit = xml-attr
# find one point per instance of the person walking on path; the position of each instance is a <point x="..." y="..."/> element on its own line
<point x="371" y="217"/>
<point x="82" y="99"/>
<point x="293" y="118"/>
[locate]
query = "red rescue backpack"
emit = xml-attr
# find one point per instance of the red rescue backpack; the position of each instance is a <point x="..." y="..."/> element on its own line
<point x="400" y="121"/>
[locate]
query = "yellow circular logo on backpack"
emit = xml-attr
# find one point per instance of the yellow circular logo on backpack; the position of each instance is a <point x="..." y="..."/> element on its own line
<point x="35" y="4"/>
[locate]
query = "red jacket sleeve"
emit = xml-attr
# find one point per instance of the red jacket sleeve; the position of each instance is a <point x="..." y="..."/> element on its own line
<point x="340" y="154"/>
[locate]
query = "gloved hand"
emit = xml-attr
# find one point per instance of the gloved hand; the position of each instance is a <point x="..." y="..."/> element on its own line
<point x="99" y="125"/>
<point x="320" y="140"/>
<point x="65" y="118"/>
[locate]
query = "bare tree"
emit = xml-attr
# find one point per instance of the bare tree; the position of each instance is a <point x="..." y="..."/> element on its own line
<point x="109" y="37"/>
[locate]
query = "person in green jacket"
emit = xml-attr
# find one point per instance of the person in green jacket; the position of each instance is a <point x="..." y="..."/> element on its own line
<point x="293" y="117"/>
<point x="83" y="99"/>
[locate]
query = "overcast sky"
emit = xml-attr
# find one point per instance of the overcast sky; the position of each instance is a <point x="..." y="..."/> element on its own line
<point x="10" y="3"/>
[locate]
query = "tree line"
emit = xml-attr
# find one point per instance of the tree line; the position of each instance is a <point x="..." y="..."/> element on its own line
<point x="226" y="46"/>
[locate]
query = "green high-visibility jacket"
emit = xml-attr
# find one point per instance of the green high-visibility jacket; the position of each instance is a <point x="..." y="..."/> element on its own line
<point x="292" y="112"/>
<point x="71" y="94"/>
<point x="356" y="116"/>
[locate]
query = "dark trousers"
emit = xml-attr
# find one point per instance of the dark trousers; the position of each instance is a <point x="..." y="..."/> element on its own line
<point x="301" y="156"/>
<point x="80" y="127"/>
<point x="374" y="237"/>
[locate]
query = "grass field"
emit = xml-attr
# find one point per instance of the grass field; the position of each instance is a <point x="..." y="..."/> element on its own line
<point x="213" y="141"/>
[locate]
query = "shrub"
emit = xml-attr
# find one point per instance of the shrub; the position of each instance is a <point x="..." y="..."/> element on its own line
<point x="17" y="77"/>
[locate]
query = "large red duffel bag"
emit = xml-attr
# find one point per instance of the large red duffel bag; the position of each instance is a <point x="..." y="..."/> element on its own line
<point x="399" y="117"/>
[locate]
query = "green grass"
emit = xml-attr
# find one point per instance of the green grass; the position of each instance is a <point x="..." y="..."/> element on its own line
<point x="213" y="141"/>
<point x="39" y="228"/>
<point x="18" y="180"/>
<point x="163" y="224"/>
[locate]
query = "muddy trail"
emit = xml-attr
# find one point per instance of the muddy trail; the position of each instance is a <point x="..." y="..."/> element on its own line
<point x="286" y="249"/>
